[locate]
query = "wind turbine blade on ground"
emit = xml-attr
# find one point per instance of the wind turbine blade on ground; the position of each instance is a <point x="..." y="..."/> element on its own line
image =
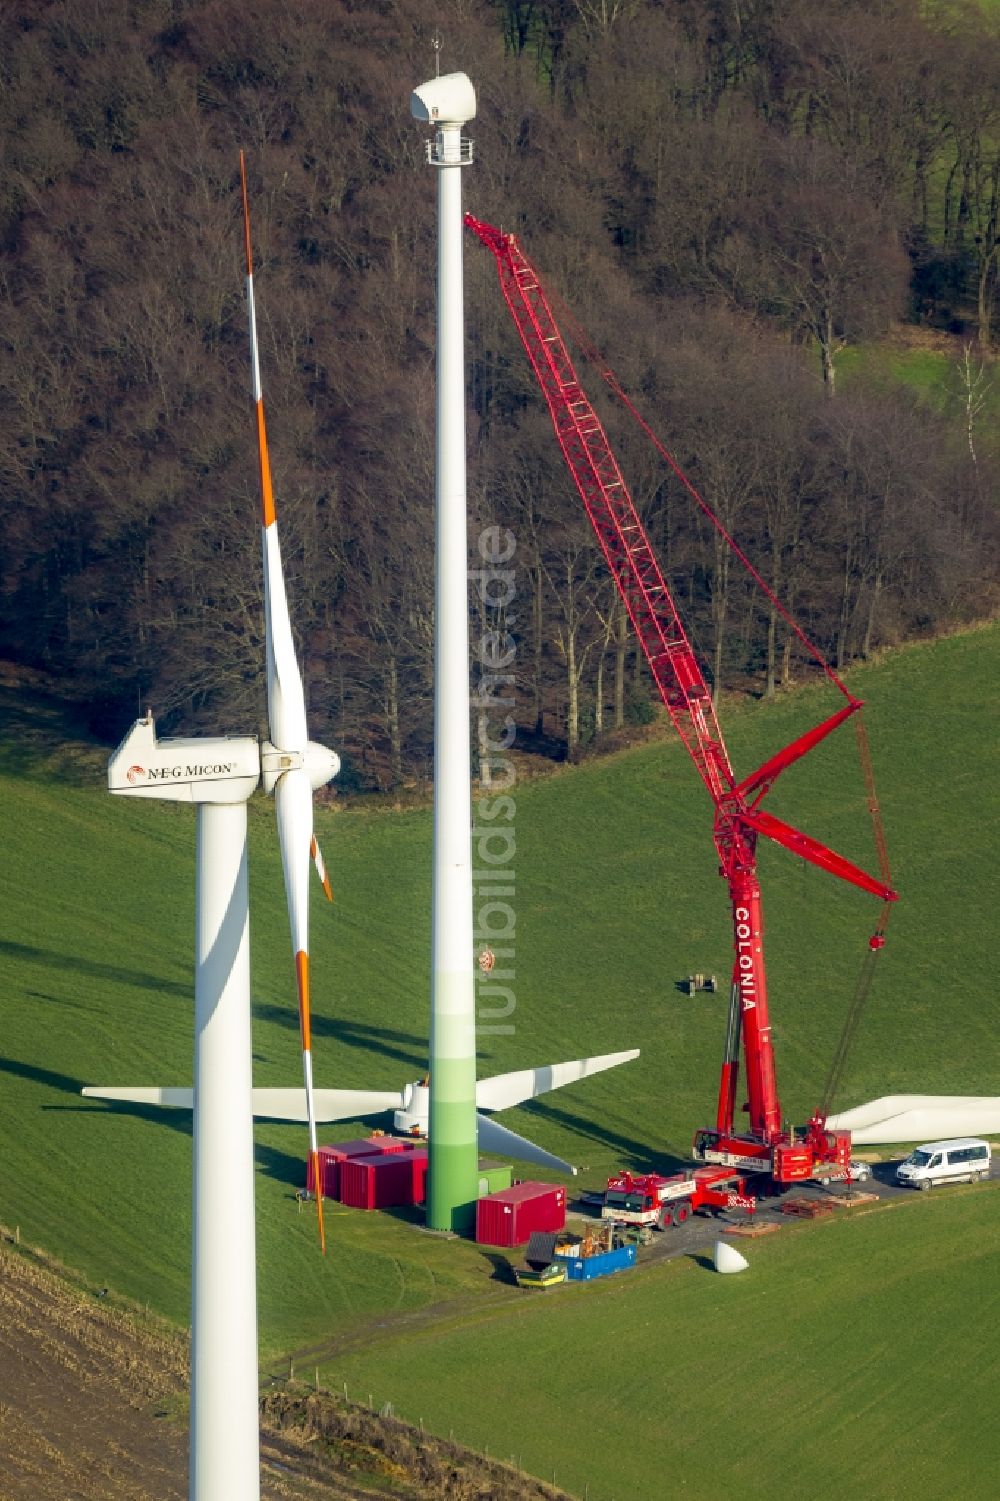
<point x="166" y="1097"/>
<point x="505" y="1090"/>
<point x="919" y="1117"/>
<point x="268" y="1104"/>
<point x="496" y="1138"/>
<point x="286" y="712"/>
<point x="329" y="1104"/>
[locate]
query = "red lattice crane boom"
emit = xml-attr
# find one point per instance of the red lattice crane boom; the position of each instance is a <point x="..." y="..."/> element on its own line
<point x="739" y="819"/>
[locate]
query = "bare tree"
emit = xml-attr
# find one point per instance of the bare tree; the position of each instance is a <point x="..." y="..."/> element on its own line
<point x="823" y="251"/>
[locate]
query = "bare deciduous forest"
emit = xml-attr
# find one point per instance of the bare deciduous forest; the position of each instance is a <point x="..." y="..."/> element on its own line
<point x="731" y="195"/>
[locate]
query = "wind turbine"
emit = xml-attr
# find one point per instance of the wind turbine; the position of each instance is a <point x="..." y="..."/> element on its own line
<point x="218" y="776"/>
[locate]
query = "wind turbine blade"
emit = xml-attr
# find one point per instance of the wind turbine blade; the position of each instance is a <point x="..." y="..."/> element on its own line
<point x="317" y="855"/>
<point x="293" y="805"/>
<point x="329" y="1104"/>
<point x="286" y="713"/>
<point x="496" y="1138"/>
<point x="286" y="708"/>
<point x="505" y="1090"/>
<point x="165" y="1096"/>
<point x="285" y="698"/>
<point x="896" y="1118"/>
<point x="268" y="1104"/>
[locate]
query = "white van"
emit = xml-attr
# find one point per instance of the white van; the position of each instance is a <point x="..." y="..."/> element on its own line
<point x="965" y="1160"/>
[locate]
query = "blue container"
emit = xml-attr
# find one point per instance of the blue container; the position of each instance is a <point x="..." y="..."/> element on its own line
<point x="586" y="1268"/>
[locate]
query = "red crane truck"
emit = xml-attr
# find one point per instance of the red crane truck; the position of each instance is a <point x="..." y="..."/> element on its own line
<point x="765" y="1144"/>
<point x="650" y="1199"/>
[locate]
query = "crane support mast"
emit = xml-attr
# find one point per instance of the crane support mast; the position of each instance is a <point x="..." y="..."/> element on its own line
<point x="739" y="819"/>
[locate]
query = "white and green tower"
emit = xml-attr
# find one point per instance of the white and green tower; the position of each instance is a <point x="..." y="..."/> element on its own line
<point x="449" y="102"/>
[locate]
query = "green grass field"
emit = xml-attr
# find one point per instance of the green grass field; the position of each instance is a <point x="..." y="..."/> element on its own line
<point x="617" y="900"/>
<point x="857" y="1357"/>
<point x="933" y="370"/>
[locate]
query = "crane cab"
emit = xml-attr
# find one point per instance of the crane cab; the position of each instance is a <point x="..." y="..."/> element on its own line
<point x="793" y="1159"/>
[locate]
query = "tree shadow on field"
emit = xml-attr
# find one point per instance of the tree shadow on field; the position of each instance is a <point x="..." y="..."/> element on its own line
<point x="283" y="1167"/>
<point x="181" y="1121"/>
<point x="404" y="1046"/>
<point x="56" y="1000"/>
<point x="36" y="1075"/>
<point x="73" y="964"/>
<point x="177" y="1120"/>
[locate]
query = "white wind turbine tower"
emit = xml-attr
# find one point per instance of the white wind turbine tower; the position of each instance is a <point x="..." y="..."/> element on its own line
<point x="449" y="103"/>
<point x="219" y="775"/>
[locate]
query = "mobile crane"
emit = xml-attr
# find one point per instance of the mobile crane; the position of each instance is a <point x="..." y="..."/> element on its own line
<point x="766" y="1145"/>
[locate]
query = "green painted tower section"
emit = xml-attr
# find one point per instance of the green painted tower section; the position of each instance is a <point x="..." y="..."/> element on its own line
<point x="453" y="1167"/>
<point x="453" y="1153"/>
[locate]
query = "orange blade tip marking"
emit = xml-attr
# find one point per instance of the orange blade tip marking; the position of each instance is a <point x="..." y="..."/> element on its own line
<point x="302" y="976"/>
<point x="314" y="850"/>
<point x="319" y="1202"/>
<point x="266" y="488"/>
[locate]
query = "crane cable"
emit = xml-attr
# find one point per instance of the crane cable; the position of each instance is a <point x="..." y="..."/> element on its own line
<point x="876" y="942"/>
<point x="611" y="380"/>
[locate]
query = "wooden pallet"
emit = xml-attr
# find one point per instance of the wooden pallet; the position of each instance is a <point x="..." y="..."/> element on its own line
<point x="750" y="1230"/>
<point x="807" y="1209"/>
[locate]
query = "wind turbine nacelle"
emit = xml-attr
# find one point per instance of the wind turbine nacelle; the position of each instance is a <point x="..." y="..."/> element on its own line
<point x="414" y="1113"/>
<point x="449" y="100"/>
<point x="221" y="770"/>
<point x="321" y="764"/>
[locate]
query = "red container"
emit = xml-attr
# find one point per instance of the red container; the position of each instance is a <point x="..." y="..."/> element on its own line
<point x="331" y="1157"/>
<point x="383" y="1181"/>
<point x="329" y="1173"/>
<point x="509" y="1218"/>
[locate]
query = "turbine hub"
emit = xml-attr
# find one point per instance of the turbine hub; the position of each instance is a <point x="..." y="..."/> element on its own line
<point x="320" y="764"/>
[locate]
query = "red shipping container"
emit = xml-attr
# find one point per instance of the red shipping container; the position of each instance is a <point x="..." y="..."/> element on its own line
<point x="329" y="1173"/>
<point x="510" y="1217"/>
<point x="383" y="1181"/>
<point x="331" y="1157"/>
